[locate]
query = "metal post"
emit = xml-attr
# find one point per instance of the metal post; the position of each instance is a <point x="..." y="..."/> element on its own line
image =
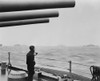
<point x="9" y="58"/>
<point x="70" y="66"/>
<point x="9" y="63"/>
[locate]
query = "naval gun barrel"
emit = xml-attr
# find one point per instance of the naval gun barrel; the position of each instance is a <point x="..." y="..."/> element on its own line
<point x="12" y="16"/>
<point x="19" y="5"/>
<point x="23" y="22"/>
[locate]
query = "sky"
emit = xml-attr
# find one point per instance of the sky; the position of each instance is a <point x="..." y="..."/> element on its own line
<point x="74" y="27"/>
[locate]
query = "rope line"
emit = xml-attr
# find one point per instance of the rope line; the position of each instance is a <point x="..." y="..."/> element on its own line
<point x="81" y="64"/>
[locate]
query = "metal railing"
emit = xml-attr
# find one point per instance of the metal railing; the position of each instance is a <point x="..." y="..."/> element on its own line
<point x="86" y="71"/>
<point x="70" y="68"/>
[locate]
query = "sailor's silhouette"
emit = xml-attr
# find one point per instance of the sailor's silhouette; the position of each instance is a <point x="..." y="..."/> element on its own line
<point x="30" y="61"/>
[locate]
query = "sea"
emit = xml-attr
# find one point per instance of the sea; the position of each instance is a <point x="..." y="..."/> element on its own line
<point x="81" y="57"/>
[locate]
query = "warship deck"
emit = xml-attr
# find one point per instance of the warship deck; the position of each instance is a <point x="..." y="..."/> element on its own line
<point x="49" y="77"/>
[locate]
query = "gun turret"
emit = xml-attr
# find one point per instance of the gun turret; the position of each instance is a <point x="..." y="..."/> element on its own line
<point x="18" y="5"/>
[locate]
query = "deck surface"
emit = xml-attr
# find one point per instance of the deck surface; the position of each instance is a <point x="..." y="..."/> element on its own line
<point x="5" y="77"/>
<point x="75" y="76"/>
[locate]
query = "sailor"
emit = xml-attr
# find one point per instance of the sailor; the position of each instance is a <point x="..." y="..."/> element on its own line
<point x="30" y="61"/>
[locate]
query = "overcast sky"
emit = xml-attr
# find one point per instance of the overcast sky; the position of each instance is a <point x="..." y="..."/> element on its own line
<point x="74" y="27"/>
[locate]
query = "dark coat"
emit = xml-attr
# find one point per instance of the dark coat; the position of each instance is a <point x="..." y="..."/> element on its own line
<point x="30" y="61"/>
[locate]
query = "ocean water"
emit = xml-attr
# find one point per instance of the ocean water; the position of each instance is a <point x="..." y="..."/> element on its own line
<point x="56" y="56"/>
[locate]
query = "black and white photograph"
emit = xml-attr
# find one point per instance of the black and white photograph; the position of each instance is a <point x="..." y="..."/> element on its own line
<point x="49" y="40"/>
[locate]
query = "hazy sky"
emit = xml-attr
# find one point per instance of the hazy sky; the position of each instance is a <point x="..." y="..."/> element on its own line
<point x="74" y="27"/>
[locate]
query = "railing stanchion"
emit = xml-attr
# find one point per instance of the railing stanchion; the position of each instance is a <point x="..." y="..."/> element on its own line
<point x="9" y="58"/>
<point x="9" y="64"/>
<point x="70" y="66"/>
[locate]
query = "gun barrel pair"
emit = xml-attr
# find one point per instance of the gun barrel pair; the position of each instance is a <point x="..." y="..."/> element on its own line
<point x="26" y="17"/>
